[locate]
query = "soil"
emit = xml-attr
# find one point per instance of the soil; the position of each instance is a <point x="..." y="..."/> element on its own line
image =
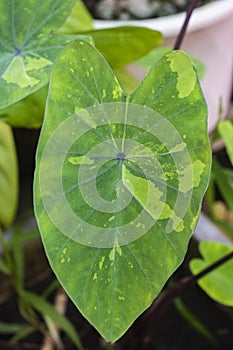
<point x="136" y="9"/>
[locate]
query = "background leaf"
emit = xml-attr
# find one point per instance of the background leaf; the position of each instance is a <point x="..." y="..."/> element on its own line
<point x="117" y="283"/>
<point x="28" y="112"/>
<point x="46" y="308"/>
<point x="219" y="283"/>
<point x="28" y="45"/>
<point x="11" y="328"/>
<point x="123" y="45"/>
<point x="8" y="176"/>
<point x="126" y="80"/>
<point x="224" y="182"/>
<point x="78" y="21"/>
<point x="225" y="129"/>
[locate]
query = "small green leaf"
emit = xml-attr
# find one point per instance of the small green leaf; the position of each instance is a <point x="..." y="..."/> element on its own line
<point x="28" y="45"/>
<point x="119" y="182"/>
<point x="218" y="284"/>
<point x="46" y="308"/>
<point x="225" y="129"/>
<point x="123" y="45"/>
<point x="8" y="176"/>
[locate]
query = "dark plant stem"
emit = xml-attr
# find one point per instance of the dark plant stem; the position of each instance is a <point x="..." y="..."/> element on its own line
<point x="167" y="297"/>
<point x="182" y="32"/>
<point x="213" y="266"/>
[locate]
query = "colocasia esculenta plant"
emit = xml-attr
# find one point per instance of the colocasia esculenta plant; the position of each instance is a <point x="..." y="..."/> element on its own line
<point x="119" y="177"/>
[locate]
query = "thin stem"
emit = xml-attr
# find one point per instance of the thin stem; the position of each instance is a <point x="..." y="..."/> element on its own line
<point x="10" y="263"/>
<point x="168" y="295"/>
<point x="162" y="302"/>
<point x="6" y="252"/>
<point x="182" y="32"/>
<point x="213" y="266"/>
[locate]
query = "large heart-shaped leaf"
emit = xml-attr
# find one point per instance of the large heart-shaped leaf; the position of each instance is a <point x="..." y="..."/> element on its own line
<point x="219" y="283"/>
<point x="28" y="45"/>
<point x="119" y="181"/>
<point x="8" y="176"/>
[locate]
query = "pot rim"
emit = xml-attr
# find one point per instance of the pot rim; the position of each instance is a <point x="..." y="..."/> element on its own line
<point x="202" y="17"/>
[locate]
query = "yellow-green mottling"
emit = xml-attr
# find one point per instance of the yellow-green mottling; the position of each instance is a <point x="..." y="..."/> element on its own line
<point x="138" y="186"/>
<point x="119" y="250"/>
<point x="84" y="114"/>
<point x="116" y="93"/>
<point x="144" y="191"/>
<point x="80" y="160"/>
<point x="194" y="172"/>
<point x="101" y="262"/>
<point x="194" y="222"/>
<point x="113" y="251"/>
<point x="147" y="194"/>
<point x="178" y="148"/>
<point x="181" y="64"/>
<point x="64" y="257"/>
<point x="17" y="71"/>
<point x="130" y="265"/>
<point x="36" y="63"/>
<point x="177" y="222"/>
<point x="112" y="254"/>
<point x="104" y="93"/>
<point x="198" y="168"/>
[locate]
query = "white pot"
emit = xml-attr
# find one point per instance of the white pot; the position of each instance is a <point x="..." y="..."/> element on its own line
<point x="210" y="39"/>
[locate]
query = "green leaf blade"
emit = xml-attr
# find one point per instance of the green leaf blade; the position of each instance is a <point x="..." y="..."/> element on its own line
<point x="148" y="175"/>
<point x="28" y="112"/>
